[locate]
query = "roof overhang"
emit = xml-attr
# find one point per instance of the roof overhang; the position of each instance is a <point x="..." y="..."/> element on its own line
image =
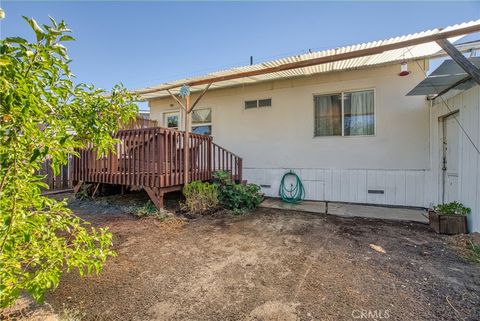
<point x="410" y="47"/>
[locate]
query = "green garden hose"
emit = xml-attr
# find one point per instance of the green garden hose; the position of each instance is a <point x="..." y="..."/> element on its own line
<point x="295" y="193"/>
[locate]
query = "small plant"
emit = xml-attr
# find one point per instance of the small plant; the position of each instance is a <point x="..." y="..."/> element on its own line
<point x="84" y="192"/>
<point x="452" y="208"/>
<point x="474" y="250"/>
<point x="149" y="210"/>
<point x="200" y="197"/>
<point x="236" y="197"/>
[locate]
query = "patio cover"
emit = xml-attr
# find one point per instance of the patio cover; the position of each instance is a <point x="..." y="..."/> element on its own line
<point x="415" y="46"/>
<point x="445" y="77"/>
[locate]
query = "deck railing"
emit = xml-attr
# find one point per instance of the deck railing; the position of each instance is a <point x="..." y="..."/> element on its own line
<point x="224" y="160"/>
<point x="154" y="157"/>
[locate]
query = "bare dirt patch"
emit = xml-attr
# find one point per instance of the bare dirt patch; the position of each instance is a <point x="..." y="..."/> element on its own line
<point x="270" y="265"/>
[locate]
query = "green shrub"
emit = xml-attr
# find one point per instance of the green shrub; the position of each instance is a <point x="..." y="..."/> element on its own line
<point x="46" y="114"/>
<point x="200" y="197"/>
<point x="236" y="197"/>
<point x="452" y="208"/>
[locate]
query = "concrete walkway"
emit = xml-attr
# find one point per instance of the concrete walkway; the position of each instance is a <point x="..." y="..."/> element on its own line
<point x="351" y="210"/>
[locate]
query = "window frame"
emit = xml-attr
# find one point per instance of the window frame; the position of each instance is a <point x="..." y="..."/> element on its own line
<point x="171" y="111"/>
<point x="205" y="124"/>
<point x="342" y="92"/>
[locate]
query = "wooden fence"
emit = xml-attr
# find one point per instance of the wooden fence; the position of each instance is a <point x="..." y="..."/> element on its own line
<point x="59" y="182"/>
<point x="140" y="122"/>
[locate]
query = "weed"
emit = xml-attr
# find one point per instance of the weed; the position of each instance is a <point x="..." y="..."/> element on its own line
<point x="200" y="197"/>
<point x="69" y="314"/>
<point x="84" y="192"/>
<point x="148" y="209"/>
<point x="474" y="251"/>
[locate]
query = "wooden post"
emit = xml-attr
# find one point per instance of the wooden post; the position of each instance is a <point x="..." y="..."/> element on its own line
<point x="186" y="144"/>
<point x="240" y="169"/>
<point x="209" y="158"/>
<point x="187" y="126"/>
<point x="460" y="59"/>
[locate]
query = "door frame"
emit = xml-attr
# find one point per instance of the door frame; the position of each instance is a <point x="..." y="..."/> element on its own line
<point x="442" y="134"/>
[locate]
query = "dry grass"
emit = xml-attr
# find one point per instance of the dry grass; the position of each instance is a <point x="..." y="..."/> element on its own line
<point x="467" y="246"/>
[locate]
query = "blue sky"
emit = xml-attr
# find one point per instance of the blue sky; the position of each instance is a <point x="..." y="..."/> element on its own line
<point x="146" y="43"/>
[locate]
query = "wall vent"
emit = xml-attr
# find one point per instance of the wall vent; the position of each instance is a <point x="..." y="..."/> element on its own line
<point x="376" y="191"/>
<point x="249" y="104"/>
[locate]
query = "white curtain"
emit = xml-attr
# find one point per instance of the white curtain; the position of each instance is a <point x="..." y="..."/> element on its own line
<point x="359" y="114"/>
<point x="328" y="115"/>
<point x="201" y="116"/>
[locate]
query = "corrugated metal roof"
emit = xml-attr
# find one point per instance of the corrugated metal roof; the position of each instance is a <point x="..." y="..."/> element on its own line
<point x="391" y="56"/>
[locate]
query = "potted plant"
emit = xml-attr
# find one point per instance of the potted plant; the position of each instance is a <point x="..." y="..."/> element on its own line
<point x="449" y="218"/>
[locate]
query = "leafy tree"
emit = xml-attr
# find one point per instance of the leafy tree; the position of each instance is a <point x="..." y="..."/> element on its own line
<point x="44" y="115"/>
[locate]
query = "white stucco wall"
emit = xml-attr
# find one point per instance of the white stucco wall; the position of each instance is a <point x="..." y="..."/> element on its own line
<point x="273" y="139"/>
<point x="467" y="103"/>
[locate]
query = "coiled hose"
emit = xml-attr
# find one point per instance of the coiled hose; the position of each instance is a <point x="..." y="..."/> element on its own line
<point x="295" y="193"/>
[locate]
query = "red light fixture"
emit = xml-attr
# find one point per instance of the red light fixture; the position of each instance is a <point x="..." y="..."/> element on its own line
<point x="404" y="69"/>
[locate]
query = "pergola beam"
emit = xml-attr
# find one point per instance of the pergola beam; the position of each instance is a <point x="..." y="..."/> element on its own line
<point x="327" y="59"/>
<point x="177" y="100"/>
<point x="199" y="97"/>
<point x="460" y="59"/>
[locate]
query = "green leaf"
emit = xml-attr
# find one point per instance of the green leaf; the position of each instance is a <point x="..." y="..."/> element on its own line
<point x="16" y="40"/>
<point x="4" y="61"/>
<point x="40" y="33"/>
<point x="66" y="38"/>
<point x="36" y="153"/>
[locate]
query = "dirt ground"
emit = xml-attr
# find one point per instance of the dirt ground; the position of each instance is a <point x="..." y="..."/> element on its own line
<point x="269" y="265"/>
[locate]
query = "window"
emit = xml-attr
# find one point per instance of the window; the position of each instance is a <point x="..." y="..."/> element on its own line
<point x="251" y="104"/>
<point x="171" y="119"/>
<point x="345" y="114"/>
<point x="328" y="115"/>
<point x="202" y="121"/>
<point x="258" y="103"/>
<point x="265" y="102"/>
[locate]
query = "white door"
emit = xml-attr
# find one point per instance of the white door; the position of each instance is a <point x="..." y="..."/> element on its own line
<point x="451" y="141"/>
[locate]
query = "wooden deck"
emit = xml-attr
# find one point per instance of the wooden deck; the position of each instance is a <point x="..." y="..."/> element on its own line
<point x="153" y="158"/>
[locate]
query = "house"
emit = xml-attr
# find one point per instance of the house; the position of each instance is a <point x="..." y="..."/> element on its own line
<point x="339" y="118"/>
<point x="346" y="125"/>
<point x="454" y="122"/>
